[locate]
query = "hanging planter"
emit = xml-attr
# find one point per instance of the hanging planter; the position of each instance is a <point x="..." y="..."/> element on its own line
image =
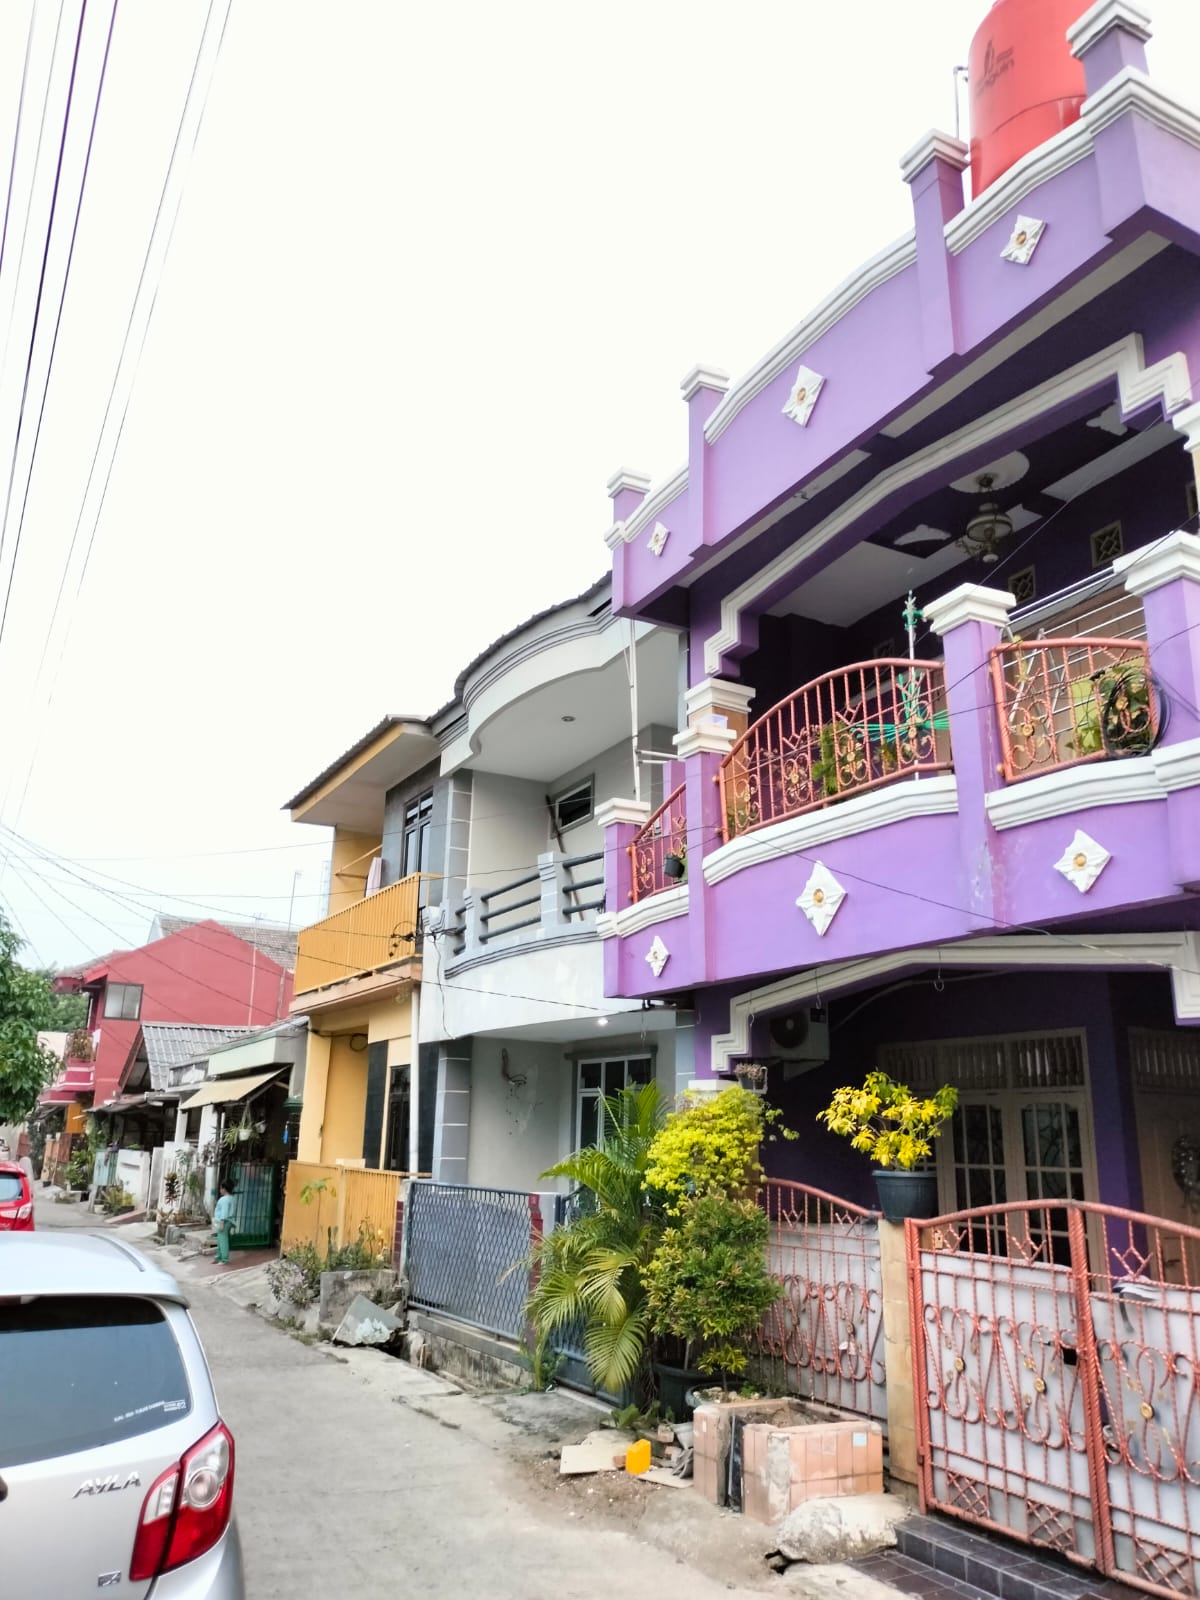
<point x="675" y="867"/>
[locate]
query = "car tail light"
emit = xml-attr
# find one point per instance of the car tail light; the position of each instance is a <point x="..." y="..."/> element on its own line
<point x="23" y="1213"/>
<point x="187" y="1508"/>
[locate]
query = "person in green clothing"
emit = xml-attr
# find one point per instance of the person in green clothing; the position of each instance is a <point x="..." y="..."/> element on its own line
<point x="223" y="1220"/>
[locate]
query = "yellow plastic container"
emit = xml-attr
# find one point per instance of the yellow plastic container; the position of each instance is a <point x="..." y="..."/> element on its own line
<point x="637" y="1457"/>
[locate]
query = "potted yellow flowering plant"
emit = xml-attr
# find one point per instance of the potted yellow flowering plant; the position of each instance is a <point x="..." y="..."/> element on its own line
<point x="888" y="1122"/>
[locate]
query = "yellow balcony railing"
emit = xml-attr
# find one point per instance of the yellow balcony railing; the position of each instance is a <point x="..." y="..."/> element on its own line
<point x="371" y="933"/>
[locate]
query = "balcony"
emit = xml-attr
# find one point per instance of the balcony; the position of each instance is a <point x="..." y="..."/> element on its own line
<point x="370" y="935"/>
<point x="1061" y="702"/>
<point x="558" y="898"/>
<point x="853" y="730"/>
<point x="659" y="849"/>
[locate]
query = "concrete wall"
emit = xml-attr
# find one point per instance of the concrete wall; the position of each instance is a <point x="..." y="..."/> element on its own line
<point x="349" y="862"/>
<point x="510" y="827"/>
<point x="518" y="1130"/>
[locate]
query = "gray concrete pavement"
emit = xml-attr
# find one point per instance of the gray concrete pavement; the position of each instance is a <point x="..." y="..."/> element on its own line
<point x="357" y="1476"/>
<point x="341" y="1491"/>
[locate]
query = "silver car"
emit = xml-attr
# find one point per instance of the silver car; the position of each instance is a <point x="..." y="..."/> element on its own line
<point x="116" y="1471"/>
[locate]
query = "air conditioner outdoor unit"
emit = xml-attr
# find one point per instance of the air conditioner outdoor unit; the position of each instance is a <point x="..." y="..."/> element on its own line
<point x="800" y="1035"/>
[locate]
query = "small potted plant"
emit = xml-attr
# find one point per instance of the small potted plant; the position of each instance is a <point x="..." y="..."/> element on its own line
<point x="675" y="864"/>
<point x="895" y="1127"/>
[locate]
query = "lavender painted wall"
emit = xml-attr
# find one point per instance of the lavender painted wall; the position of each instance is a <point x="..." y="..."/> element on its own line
<point x="1105" y="1007"/>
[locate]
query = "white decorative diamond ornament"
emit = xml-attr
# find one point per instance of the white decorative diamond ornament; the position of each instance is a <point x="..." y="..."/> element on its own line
<point x="1082" y="862"/>
<point x="1023" y="241"/>
<point x="803" y="395"/>
<point x="822" y="897"/>
<point x="657" y="957"/>
<point x="658" y="539"/>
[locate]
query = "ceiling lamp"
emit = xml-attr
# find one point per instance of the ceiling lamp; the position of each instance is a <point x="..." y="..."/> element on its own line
<point x="986" y="528"/>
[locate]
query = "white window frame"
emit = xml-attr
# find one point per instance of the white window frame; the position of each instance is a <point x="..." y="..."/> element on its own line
<point x="121" y="1014"/>
<point x="1010" y="1100"/>
<point x="603" y="1062"/>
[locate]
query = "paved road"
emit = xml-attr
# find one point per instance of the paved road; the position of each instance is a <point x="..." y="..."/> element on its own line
<point x="341" y="1491"/>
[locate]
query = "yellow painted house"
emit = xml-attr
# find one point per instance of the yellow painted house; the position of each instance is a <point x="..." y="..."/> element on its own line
<point x="358" y="970"/>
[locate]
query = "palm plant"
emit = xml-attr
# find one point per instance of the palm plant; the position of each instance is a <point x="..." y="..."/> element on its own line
<point x="590" y="1271"/>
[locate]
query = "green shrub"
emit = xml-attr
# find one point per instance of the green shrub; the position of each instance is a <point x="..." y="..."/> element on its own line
<point x="711" y="1146"/>
<point x="708" y="1282"/>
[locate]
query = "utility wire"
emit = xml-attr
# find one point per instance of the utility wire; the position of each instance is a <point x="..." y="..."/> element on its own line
<point x="37" y="164"/>
<point x="62" y="300"/>
<point x="108" y="409"/>
<point x="37" y="309"/>
<point x="16" y="147"/>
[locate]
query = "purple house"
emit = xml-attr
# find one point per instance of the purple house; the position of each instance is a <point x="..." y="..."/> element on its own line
<point x="935" y="560"/>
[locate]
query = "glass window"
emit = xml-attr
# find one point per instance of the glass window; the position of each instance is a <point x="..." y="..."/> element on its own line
<point x="11" y="1187"/>
<point x="112" y="1364"/>
<point x="572" y="805"/>
<point x="123" y="1001"/>
<point x="415" y="843"/>
<point x="614" y="1076"/>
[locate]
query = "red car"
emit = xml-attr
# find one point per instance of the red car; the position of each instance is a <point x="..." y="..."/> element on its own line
<point x="16" y="1199"/>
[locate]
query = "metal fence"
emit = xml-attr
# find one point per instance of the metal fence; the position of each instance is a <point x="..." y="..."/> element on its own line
<point x="1058" y="1344"/>
<point x="326" y="1205"/>
<point x="827" y="1330"/>
<point x="466" y="1251"/>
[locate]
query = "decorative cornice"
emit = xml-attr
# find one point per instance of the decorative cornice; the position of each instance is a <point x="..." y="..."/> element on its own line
<point x="926" y="797"/>
<point x="1103" y="16"/>
<point x="1072" y="789"/>
<point x="654" y="504"/>
<point x="970" y="602"/>
<point x="610" y="812"/>
<point x="1167" y="380"/>
<point x="1174" y="556"/>
<point x="710" y="378"/>
<point x="521" y="949"/>
<point x="706" y="739"/>
<point x="662" y="907"/>
<point x="934" y="146"/>
<point x="615" y="535"/>
<point x="1133" y="90"/>
<point x="717" y="697"/>
<point x="1041" y="164"/>
<point x="1130" y="90"/>
<point x="1175" y="952"/>
<point x="625" y="478"/>
<point x="1177" y="766"/>
<point x="848" y="294"/>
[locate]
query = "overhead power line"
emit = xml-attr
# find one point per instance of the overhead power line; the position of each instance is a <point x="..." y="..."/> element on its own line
<point x="138" y="299"/>
<point x="62" y="300"/>
<point x="46" y="244"/>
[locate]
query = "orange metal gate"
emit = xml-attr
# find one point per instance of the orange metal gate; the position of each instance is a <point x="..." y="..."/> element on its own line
<point x="1056" y="1355"/>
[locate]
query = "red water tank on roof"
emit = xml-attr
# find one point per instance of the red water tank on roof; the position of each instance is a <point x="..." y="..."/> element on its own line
<point x="1025" y="84"/>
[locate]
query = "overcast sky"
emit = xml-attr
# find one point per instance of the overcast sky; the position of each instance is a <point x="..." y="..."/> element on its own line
<point x="438" y="271"/>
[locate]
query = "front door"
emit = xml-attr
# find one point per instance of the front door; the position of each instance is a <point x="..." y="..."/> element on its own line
<point x="398" y="1121"/>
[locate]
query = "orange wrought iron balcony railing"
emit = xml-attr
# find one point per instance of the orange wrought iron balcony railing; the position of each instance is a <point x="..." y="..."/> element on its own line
<point x="850" y="731"/>
<point x="659" y="849"/>
<point x="1061" y="702"/>
<point x="375" y="932"/>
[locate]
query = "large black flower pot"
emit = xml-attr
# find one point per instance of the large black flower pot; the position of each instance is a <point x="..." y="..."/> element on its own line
<point x="906" y="1194"/>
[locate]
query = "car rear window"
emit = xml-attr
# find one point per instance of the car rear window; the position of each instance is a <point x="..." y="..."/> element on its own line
<point x="81" y="1371"/>
<point x="11" y="1187"/>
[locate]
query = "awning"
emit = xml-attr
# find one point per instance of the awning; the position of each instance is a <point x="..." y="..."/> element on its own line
<point x="224" y="1091"/>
